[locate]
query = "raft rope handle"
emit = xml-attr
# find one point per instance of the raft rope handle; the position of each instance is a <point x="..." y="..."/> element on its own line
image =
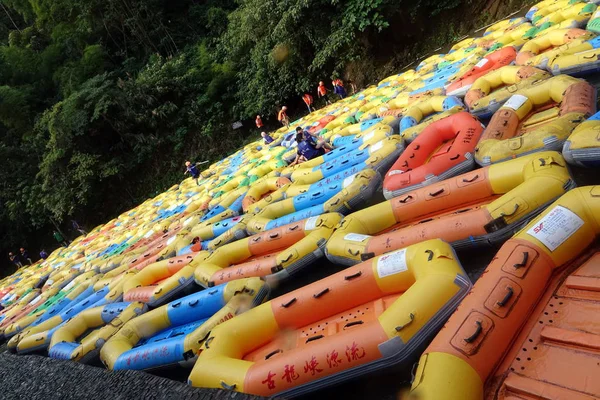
<point x="353" y="323"/>
<point x="228" y="387"/>
<point x="353" y="276"/>
<point x="404" y="200"/>
<point x="506" y="298"/>
<point x="475" y="335"/>
<point x="289" y="303"/>
<point x="310" y="339"/>
<point x="524" y="262"/>
<point x="400" y="327"/>
<point x="511" y="213"/>
<point x="321" y="293"/>
<point x="436" y="193"/>
<point x="271" y="354"/>
<point x="473" y="179"/>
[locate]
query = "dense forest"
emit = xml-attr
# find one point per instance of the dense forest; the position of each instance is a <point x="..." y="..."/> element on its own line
<point x="102" y="101"/>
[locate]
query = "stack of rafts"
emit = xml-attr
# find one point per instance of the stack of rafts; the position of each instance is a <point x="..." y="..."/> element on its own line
<point x="470" y="149"/>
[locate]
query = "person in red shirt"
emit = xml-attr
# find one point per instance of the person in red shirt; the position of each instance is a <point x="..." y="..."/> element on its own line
<point x="283" y="118"/>
<point x="259" y="123"/>
<point x="308" y="100"/>
<point x="322" y="92"/>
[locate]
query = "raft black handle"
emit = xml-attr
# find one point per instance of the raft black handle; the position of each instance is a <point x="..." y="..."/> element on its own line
<point x="213" y="292"/>
<point x="274" y="235"/>
<point x="353" y="323"/>
<point x="506" y="298"/>
<point x="287" y="258"/>
<point x="175" y="305"/>
<point x="412" y="155"/>
<point x="353" y="276"/>
<point x="455" y="157"/>
<point x="158" y="291"/>
<point x="271" y="354"/>
<point x="310" y="339"/>
<point x="355" y="253"/>
<point x="228" y="387"/>
<point x="256" y="239"/>
<point x="289" y="303"/>
<point x="405" y="164"/>
<point x="400" y="327"/>
<point x="208" y="341"/>
<point x="404" y="200"/>
<point x="193" y="303"/>
<point x="473" y="179"/>
<point x="430" y="257"/>
<point x="321" y="293"/>
<point x="293" y="228"/>
<point x="417" y="147"/>
<point x="436" y="193"/>
<point x="524" y="262"/>
<point x="475" y="335"/>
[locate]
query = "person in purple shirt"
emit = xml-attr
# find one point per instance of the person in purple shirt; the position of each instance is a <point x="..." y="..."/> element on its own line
<point x="192" y="170"/>
<point x="268" y="139"/>
<point x="307" y="149"/>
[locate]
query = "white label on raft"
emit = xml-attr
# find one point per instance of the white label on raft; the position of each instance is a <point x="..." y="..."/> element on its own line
<point x="148" y="234"/>
<point x="356" y="237"/>
<point x="368" y="136"/>
<point x="171" y="240"/>
<point x="556" y="227"/>
<point x="49" y="282"/>
<point x="36" y="299"/>
<point x="376" y="146"/>
<point x="392" y="263"/>
<point x="481" y="63"/>
<point x="515" y="101"/>
<point x="348" y="181"/>
<point x="6" y="296"/>
<point x="267" y="157"/>
<point x="70" y="285"/>
<point x="596" y="14"/>
<point x="188" y="221"/>
<point x="311" y="223"/>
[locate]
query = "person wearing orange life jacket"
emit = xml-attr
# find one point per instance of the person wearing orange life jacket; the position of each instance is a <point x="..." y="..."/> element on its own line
<point x="308" y="100"/>
<point x="322" y="92"/>
<point x="283" y="117"/>
<point x="258" y="121"/>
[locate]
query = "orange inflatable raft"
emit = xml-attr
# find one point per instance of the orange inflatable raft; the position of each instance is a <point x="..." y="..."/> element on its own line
<point x="491" y="62"/>
<point x="444" y="149"/>
<point x="529" y="329"/>
<point x="370" y="316"/>
<point x="483" y="207"/>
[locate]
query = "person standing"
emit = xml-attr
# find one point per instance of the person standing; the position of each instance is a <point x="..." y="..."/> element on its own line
<point x="338" y="88"/>
<point x="283" y="117"/>
<point x="77" y="227"/>
<point x="43" y="254"/>
<point x="352" y="86"/>
<point x="15" y="260"/>
<point x="60" y="239"/>
<point x="258" y="122"/>
<point x="308" y="100"/>
<point x="192" y="170"/>
<point x="322" y="92"/>
<point x="25" y="255"/>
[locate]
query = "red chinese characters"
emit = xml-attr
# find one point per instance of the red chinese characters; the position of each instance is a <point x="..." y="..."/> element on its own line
<point x="311" y="366"/>
<point x="355" y="353"/>
<point x="333" y="359"/>
<point x="289" y="373"/>
<point x="269" y="381"/>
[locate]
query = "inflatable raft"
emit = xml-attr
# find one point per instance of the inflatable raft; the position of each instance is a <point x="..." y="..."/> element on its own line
<point x="527" y="328"/>
<point x="157" y="338"/>
<point x="425" y="112"/>
<point x="444" y="149"/>
<point x="582" y="148"/>
<point x="367" y="317"/>
<point x="540" y="117"/>
<point x="483" y="207"/>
